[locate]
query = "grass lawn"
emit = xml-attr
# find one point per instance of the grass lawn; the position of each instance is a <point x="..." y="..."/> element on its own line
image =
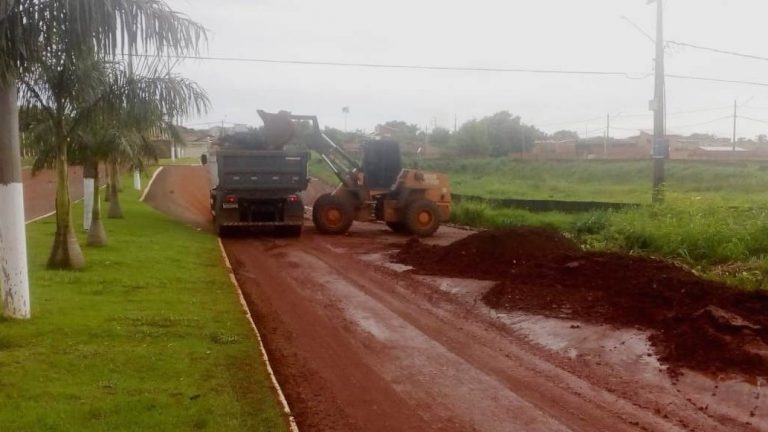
<point x="149" y="337"/>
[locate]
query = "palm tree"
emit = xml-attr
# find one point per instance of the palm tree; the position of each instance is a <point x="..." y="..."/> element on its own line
<point x="142" y="100"/>
<point x="119" y="105"/>
<point x="30" y="28"/>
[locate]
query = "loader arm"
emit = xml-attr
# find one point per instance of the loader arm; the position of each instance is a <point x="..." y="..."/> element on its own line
<point x="343" y="166"/>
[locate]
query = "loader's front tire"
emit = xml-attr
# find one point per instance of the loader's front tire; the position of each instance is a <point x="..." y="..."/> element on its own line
<point x="422" y="218"/>
<point x="332" y="214"/>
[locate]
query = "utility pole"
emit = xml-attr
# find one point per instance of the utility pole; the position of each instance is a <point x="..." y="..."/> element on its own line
<point x="735" y="116"/>
<point x="660" y="144"/>
<point x="607" y="136"/>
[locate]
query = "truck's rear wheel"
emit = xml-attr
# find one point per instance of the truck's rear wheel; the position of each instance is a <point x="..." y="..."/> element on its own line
<point x="332" y="214"/>
<point x="422" y="217"/>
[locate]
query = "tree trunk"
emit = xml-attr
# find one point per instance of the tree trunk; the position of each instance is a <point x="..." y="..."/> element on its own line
<point x="97" y="236"/>
<point x="14" y="275"/>
<point x="115" y="211"/>
<point x="89" y="184"/>
<point x="66" y="253"/>
<point x="136" y="180"/>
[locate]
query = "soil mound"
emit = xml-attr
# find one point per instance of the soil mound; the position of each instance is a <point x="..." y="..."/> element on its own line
<point x="695" y="323"/>
<point x="488" y="252"/>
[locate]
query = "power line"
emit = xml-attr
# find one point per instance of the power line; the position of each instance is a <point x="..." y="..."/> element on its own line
<point x="704" y="123"/>
<point x="753" y="119"/>
<point x="719" y="80"/>
<point x="718" y="51"/>
<point x="754" y="108"/>
<point x="626" y="75"/>
<point x="700" y="110"/>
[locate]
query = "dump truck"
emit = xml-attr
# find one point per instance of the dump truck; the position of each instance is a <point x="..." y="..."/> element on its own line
<point x="378" y="188"/>
<point x="257" y="188"/>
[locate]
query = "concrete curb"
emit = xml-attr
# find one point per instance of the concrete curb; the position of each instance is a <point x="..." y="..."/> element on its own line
<point x="149" y="185"/>
<point x="284" y="402"/>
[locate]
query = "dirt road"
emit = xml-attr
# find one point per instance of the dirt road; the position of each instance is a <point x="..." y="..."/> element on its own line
<point x="40" y="190"/>
<point x="360" y="344"/>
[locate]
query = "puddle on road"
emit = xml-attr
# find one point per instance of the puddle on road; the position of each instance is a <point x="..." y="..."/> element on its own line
<point x="382" y="259"/>
<point x="626" y="351"/>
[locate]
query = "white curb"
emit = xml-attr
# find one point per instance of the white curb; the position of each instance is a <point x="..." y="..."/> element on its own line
<point x="291" y="421"/>
<point x="149" y="185"/>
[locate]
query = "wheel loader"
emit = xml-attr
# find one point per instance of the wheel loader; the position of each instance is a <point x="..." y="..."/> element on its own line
<point x="377" y="188"/>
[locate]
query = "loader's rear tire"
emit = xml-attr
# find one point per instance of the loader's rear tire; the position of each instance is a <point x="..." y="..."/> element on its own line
<point x="332" y="214"/>
<point x="422" y="218"/>
<point x="398" y="227"/>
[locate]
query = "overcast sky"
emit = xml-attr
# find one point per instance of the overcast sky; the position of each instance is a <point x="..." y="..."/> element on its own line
<point x="539" y="34"/>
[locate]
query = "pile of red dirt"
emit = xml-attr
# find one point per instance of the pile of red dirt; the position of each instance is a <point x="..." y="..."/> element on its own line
<point x="487" y="252"/>
<point x="695" y="323"/>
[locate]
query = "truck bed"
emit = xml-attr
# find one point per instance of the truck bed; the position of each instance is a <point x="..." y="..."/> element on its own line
<point x="254" y="170"/>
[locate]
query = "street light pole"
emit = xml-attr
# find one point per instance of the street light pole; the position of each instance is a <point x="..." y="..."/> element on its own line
<point x="660" y="144"/>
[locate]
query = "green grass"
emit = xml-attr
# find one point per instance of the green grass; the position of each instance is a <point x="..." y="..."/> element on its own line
<point x="320" y="170"/>
<point x="149" y="337"/>
<point x="615" y="181"/>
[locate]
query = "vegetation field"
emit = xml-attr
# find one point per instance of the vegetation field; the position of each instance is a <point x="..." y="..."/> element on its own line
<point x="150" y="336"/>
<point x="736" y="183"/>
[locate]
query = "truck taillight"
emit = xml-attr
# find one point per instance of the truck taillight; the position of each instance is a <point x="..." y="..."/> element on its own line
<point x="230" y="199"/>
<point x="293" y="198"/>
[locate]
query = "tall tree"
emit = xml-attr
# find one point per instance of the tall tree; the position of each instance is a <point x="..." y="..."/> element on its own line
<point x="28" y="29"/>
<point x="565" y="135"/>
<point x="401" y="131"/>
<point x="472" y="139"/>
<point x="440" y="137"/>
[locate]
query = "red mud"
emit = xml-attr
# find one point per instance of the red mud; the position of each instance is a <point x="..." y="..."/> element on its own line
<point x="40" y="190"/>
<point x="357" y="346"/>
<point x="696" y="324"/>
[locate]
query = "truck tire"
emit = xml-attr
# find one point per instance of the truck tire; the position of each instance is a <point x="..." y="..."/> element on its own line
<point x="422" y="217"/>
<point x="398" y="227"/>
<point x="332" y="214"/>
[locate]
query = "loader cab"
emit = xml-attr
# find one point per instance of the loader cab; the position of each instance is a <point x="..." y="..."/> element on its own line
<point x="382" y="163"/>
